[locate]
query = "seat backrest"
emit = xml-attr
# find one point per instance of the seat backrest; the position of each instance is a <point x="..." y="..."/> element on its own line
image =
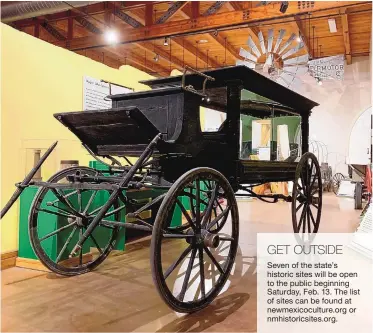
<point x="119" y="126"/>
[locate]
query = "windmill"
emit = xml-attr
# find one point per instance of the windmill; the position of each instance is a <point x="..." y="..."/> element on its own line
<point x="275" y="59"/>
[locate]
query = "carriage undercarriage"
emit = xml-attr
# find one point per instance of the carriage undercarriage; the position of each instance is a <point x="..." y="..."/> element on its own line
<point x="194" y="218"/>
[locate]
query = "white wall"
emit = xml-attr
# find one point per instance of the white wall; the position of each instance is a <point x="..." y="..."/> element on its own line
<point x="341" y="103"/>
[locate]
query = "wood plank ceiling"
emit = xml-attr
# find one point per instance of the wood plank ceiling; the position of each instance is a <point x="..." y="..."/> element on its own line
<point x="204" y="34"/>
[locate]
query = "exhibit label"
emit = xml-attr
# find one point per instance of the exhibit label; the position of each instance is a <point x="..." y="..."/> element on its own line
<point x="323" y="285"/>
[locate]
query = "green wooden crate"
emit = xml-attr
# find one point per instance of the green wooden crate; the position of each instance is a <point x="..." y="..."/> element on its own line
<point x="53" y="244"/>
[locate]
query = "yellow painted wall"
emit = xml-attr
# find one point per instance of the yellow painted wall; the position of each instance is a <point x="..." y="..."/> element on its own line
<point x="38" y="80"/>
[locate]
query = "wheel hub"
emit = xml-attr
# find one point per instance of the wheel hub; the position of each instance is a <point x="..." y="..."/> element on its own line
<point x="209" y="239"/>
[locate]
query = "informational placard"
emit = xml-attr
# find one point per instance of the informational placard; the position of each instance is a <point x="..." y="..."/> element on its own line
<point x="320" y="285"/>
<point x="95" y="93"/>
<point x="327" y="68"/>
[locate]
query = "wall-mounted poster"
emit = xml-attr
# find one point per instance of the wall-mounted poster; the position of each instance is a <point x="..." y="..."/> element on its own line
<point x="95" y="93"/>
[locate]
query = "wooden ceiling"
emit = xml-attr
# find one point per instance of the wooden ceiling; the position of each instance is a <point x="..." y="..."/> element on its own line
<point x="201" y="34"/>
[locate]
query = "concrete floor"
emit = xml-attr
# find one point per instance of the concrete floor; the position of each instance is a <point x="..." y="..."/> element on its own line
<point x="120" y="296"/>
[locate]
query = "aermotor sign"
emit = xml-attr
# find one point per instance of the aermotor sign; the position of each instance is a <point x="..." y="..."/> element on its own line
<point x="327" y="68"/>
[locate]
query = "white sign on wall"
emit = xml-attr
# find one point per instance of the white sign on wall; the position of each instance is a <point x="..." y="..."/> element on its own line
<point x="95" y="93"/>
<point x="327" y="68"/>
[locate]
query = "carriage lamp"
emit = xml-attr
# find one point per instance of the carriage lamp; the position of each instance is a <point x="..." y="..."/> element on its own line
<point x="111" y="36"/>
<point x="156" y="58"/>
<point x="165" y="43"/>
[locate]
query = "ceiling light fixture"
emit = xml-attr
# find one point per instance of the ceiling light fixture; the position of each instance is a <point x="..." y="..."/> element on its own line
<point x="203" y="41"/>
<point x="165" y="43"/>
<point x="156" y="58"/>
<point x="111" y="36"/>
<point x="332" y="25"/>
<point x="284" y="6"/>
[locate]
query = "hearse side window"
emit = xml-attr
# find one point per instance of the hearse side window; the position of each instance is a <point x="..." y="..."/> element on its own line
<point x="265" y="135"/>
<point x="211" y="120"/>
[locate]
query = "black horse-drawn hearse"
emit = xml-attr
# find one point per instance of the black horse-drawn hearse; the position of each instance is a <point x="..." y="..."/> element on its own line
<point x="191" y="175"/>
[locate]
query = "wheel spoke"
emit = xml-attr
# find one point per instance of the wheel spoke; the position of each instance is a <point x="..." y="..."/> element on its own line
<point x="81" y="249"/>
<point x="185" y="213"/>
<point x="301" y="218"/>
<point x="305" y="218"/>
<point x="228" y="239"/>
<point x="312" y="218"/>
<point x="224" y="214"/>
<point x="191" y="203"/>
<point x="51" y="203"/>
<point x="198" y="205"/>
<point x="57" y="231"/>
<point x="54" y="213"/>
<point x="65" y="201"/>
<point x="213" y="259"/>
<point x="300" y="205"/>
<point x="209" y="207"/>
<point x="308" y="220"/>
<point x="96" y="244"/>
<point x="80" y="201"/>
<point x="187" y="275"/>
<point x="65" y="245"/>
<point x="314" y="205"/>
<point x="93" y="195"/>
<point x="177" y="236"/>
<point x="177" y="262"/>
<point x="202" y="272"/>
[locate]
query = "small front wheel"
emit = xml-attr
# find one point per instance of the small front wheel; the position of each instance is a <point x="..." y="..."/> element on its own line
<point x="60" y="215"/>
<point x="195" y="240"/>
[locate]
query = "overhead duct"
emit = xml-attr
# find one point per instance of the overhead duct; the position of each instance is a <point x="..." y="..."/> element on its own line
<point x="26" y="9"/>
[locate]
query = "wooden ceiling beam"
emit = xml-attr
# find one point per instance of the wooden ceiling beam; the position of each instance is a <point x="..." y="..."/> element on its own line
<point x="148" y="46"/>
<point x="149" y="65"/>
<point x="88" y="25"/>
<point x="149" y="14"/>
<point x="171" y="11"/>
<point x="189" y="47"/>
<point x="224" y="43"/>
<point x="127" y="18"/>
<point x="214" y="8"/>
<point x="302" y="32"/>
<point x="53" y="31"/>
<point x="346" y="38"/>
<point x="202" y="24"/>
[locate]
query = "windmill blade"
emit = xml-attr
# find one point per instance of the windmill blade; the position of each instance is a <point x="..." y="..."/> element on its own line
<point x="297" y="60"/>
<point x="269" y="60"/>
<point x="270" y="40"/>
<point x="292" y="51"/>
<point x="299" y="70"/>
<point x="247" y="55"/>
<point x="287" y="78"/>
<point x="288" y="42"/>
<point x="253" y="47"/>
<point x="279" y="39"/>
<point x="261" y="42"/>
<point x="245" y="63"/>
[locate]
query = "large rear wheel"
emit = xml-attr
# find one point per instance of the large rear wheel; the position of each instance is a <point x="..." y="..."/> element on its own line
<point x="307" y="195"/>
<point x="192" y="260"/>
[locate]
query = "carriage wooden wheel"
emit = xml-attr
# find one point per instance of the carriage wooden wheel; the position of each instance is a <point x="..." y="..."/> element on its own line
<point x="66" y="213"/>
<point x="307" y="195"/>
<point x="337" y="178"/>
<point x="190" y="277"/>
